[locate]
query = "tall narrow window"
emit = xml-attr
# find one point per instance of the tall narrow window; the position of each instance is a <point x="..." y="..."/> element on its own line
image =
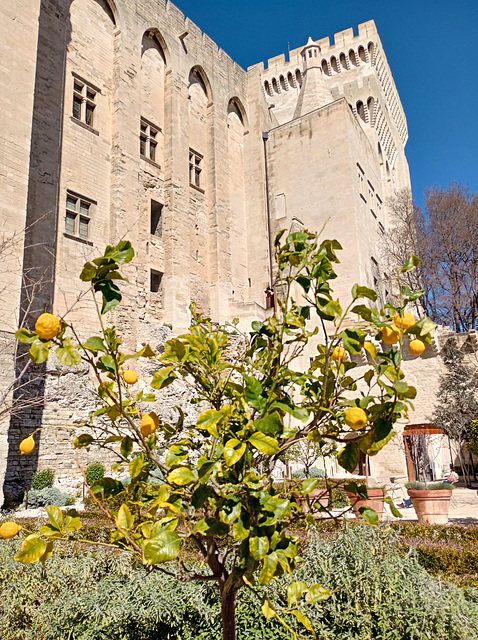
<point x="148" y="140"/>
<point x="155" y="281"/>
<point x="195" y="168"/>
<point x="78" y="216"/>
<point x="84" y="102"/>
<point x="156" y="219"/>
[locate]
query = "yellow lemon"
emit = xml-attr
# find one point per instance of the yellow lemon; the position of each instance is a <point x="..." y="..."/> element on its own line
<point x="355" y="418"/>
<point x="26" y="446"/>
<point x="47" y="326"/>
<point x="407" y="321"/>
<point x="130" y="377"/>
<point x="149" y="423"/>
<point x="338" y="354"/>
<point x="416" y="347"/>
<point x="390" y="335"/>
<point x="9" y="530"/>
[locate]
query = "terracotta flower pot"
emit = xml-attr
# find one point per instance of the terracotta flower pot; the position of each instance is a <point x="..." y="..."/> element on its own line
<point x="316" y="497"/>
<point x="431" y="505"/>
<point x="375" y="501"/>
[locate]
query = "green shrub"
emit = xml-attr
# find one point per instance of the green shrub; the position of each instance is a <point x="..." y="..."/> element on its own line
<point x="94" y="472"/>
<point x="42" y="479"/>
<point x="46" y="497"/>
<point x="380" y="593"/>
<point x="431" y="486"/>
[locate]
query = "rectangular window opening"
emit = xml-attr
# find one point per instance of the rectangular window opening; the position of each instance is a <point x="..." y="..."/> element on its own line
<point x="77" y="216"/>
<point x="148" y="141"/>
<point x="156" y="219"/>
<point x="84" y="102"/>
<point x="155" y="281"/>
<point x="195" y="168"/>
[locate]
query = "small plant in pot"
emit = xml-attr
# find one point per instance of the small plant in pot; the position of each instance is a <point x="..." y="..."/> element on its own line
<point x="365" y="496"/>
<point x="431" y="500"/>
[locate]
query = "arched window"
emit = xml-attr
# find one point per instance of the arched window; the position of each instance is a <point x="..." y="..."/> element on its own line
<point x="298" y="77"/>
<point x="343" y="61"/>
<point x="274" y="85"/>
<point x="282" y="83"/>
<point x="325" y="68"/>
<point x="380" y="154"/>
<point x="352" y="58"/>
<point x="199" y="98"/>
<point x="370" y="105"/>
<point x="370" y="50"/>
<point x="153" y="64"/>
<point x="290" y="79"/>
<point x="333" y="64"/>
<point x="361" y="52"/>
<point x="267" y="88"/>
<point x="360" y="110"/>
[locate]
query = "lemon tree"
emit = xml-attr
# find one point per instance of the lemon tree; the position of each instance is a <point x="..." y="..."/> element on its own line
<point x="216" y="491"/>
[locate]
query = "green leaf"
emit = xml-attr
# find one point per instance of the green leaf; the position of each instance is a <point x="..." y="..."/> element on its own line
<point x="294" y="592"/>
<point x="164" y="377"/>
<point x="233" y="451"/>
<point x="88" y="272"/>
<point x="268" y="568"/>
<point x="146" y="352"/>
<point x="393" y="508"/>
<point x="181" y="476"/>
<point x="126" y="447"/>
<point x="47" y="554"/>
<point x="26" y="337"/>
<point x="107" y="363"/>
<point x="200" y="495"/>
<point x="211" y="526"/>
<point x="363" y="292"/>
<point x="265" y="444"/>
<point x="308" y="485"/>
<point x="125" y="520"/>
<point x="176" y="455"/>
<point x="369" y="515"/>
<point x="107" y="486"/>
<point x="258" y="547"/>
<point x="110" y="293"/>
<point x="83" y="441"/>
<point x="72" y="523"/>
<point x="410" y="264"/>
<point x="348" y="457"/>
<point x="400" y="387"/>
<point x="39" y="350"/>
<point x="270" y="423"/>
<point x="95" y="344"/>
<point x="239" y="531"/>
<point x="68" y="354"/>
<point x="122" y="253"/>
<point x="353" y="340"/>
<point x="316" y="593"/>
<point x="163" y="548"/>
<point x="252" y="393"/>
<point x="55" y="516"/>
<point x="136" y="466"/>
<point x="33" y="547"/>
<point x="303" y="620"/>
<point x="267" y="608"/>
<point x="208" y="420"/>
<point x="371" y="348"/>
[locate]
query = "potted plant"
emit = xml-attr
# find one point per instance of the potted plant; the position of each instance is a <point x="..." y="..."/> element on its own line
<point x="368" y="497"/>
<point x="430" y="500"/>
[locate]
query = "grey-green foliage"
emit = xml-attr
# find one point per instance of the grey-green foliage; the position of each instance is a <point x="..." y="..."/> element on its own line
<point x="46" y="497"/>
<point x="94" y="472"/>
<point x="314" y="472"/>
<point x="379" y="595"/>
<point x="42" y="479"/>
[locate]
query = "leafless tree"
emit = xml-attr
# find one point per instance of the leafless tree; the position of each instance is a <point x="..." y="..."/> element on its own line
<point x="445" y="237"/>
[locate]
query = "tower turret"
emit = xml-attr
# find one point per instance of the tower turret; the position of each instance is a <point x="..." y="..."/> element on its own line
<point x="314" y="92"/>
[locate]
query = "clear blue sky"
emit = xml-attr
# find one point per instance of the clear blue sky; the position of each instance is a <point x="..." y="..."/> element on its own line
<point x="431" y="47"/>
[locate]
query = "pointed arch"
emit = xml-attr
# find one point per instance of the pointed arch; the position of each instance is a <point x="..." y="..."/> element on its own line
<point x="236" y="106"/>
<point x="197" y="75"/>
<point x="153" y="38"/>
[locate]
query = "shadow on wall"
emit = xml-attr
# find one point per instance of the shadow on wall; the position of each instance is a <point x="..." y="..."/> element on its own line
<point x="39" y="252"/>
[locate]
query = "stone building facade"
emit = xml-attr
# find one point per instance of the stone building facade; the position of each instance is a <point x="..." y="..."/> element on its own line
<point x="121" y="119"/>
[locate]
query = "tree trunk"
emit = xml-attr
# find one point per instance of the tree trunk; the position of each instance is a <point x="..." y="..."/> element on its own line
<point x="228" y="614"/>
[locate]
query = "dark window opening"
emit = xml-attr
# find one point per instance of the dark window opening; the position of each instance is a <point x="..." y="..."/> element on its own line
<point x="155" y="281"/>
<point x="156" y="219"/>
<point x="195" y="168"/>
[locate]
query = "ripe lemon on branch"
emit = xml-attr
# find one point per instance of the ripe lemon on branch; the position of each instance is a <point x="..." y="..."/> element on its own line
<point x="27" y="445"/>
<point x="355" y="418"/>
<point x="406" y="321"/>
<point x="416" y="347"/>
<point x="338" y="354"/>
<point x="130" y="377"/>
<point x="149" y="423"/>
<point x="47" y="326"/>
<point x="390" y="335"/>
<point x="9" y="530"/>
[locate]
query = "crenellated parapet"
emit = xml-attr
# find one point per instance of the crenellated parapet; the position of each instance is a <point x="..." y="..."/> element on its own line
<point x="353" y="66"/>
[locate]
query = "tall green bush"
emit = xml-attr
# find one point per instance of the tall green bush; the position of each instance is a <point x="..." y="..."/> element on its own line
<point x="42" y="479"/>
